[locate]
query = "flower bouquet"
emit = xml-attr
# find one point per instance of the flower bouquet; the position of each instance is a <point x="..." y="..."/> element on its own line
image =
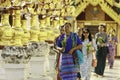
<point x="89" y="47"/>
<point x="112" y="34"/>
<point x="64" y="42"/>
<point x="100" y="40"/>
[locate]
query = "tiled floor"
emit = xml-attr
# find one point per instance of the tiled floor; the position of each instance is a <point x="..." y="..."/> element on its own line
<point x="110" y="74"/>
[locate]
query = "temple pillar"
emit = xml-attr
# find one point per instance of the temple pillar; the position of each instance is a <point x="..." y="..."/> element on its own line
<point x="118" y="45"/>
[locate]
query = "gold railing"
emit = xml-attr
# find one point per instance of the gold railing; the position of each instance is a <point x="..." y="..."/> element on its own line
<point x="106" y="6"/>
<point x="81" y="7"/>
<point x="5" y="3"/>
<point x="111" y="2"/>
<point x="108" y="10"/>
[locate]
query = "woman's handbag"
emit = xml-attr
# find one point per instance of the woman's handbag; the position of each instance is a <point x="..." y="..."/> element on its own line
<point x="77" y="55"/>
<point x="78" y="58"/>
<point x="94" y="62"/>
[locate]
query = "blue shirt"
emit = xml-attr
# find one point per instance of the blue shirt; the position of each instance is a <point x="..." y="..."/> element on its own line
<point x="59" y="40"/>
<point x="69" y="42"/>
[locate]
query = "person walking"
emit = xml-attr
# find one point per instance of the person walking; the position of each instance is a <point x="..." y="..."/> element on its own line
<point x="56" y="43"/>
<point x="88" y="49"/>
<point x="112" y="48"/>
<point x="102" y="50"/>
<point x="68" y="70"/>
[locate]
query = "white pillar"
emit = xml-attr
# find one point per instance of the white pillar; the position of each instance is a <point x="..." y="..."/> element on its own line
<point x="2" y="74"/>
<point x="2" y="71"/>
<point x="39" y="63"/>
<point x="14" y="71"/>
<point x="118" y="46"/>
<point x="37" y="66"/>
<point x="52" y="61"/>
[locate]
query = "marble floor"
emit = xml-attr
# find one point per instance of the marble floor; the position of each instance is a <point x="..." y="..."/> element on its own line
<point x="110" y="74"/>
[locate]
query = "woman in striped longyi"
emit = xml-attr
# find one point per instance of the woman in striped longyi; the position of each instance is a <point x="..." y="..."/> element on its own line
<point x="68" y="70"/>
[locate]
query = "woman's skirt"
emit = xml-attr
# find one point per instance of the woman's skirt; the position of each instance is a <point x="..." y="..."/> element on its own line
<point x="68" y="71"/>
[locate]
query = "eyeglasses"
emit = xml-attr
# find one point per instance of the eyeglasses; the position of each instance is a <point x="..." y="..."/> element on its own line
<point x="85" y="32"/>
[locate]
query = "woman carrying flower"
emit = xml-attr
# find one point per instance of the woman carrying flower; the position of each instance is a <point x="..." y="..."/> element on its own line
<point x="68" y="71"/>
<point x="112" y="47"/>
<point x="88" y="49"/>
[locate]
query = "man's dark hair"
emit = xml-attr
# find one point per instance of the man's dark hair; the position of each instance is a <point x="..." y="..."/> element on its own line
<point x="61" y="27"/>
<point x="102" y="25"/>
<point x="67" y="23"/>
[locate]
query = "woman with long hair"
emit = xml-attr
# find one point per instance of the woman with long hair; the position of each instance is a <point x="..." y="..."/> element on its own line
<point x="88" y="49"/>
